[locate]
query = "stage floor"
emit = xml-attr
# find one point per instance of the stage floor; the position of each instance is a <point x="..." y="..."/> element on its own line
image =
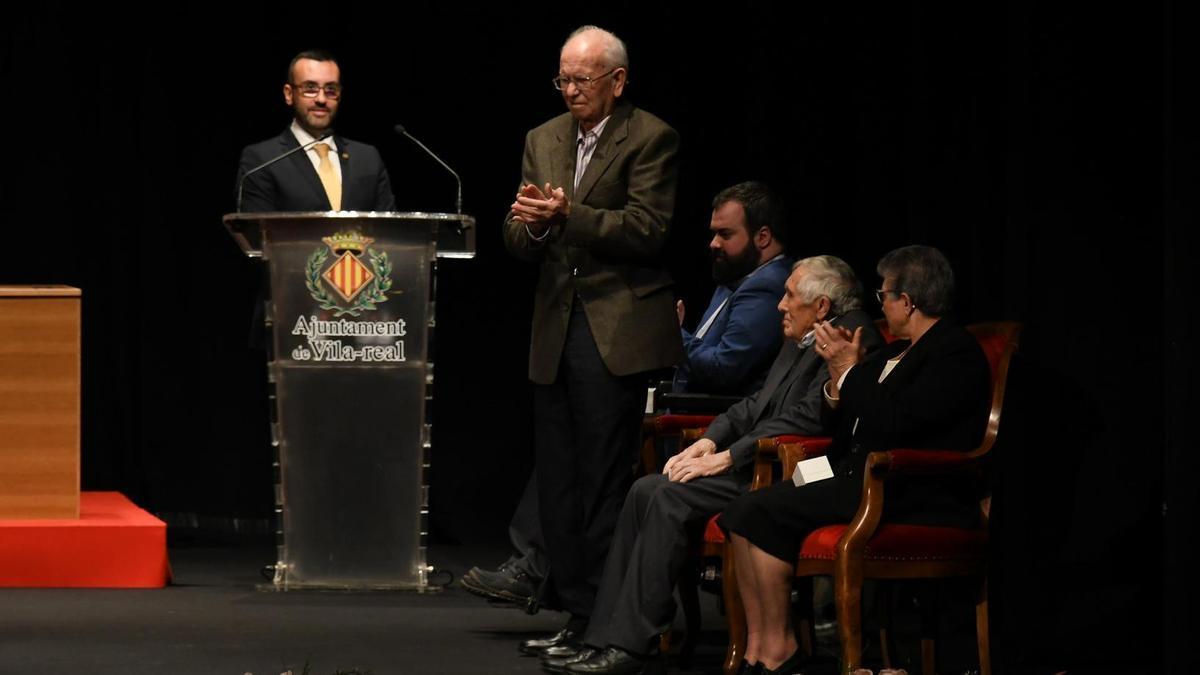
<point x="213" y="621"/>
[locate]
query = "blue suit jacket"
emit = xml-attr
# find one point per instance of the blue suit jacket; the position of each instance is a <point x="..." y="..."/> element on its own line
<point x="735" y="353"/>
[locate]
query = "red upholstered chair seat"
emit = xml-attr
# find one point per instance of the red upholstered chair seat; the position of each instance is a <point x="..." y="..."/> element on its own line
<point x="713" y="534"/>
<point x="902" y="542"/>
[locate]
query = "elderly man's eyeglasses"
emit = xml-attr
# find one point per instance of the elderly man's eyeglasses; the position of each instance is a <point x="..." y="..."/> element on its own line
<point x="562" y="81"/>
<point x="881" y="293"/>
<point x="311" y="89"/>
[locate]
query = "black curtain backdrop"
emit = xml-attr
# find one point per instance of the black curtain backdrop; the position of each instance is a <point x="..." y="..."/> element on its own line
<point x="1049" y="151"/>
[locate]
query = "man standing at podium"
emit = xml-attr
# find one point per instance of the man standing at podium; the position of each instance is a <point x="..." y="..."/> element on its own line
<point x="597" y="194"/>
<point x="334" y="173"/>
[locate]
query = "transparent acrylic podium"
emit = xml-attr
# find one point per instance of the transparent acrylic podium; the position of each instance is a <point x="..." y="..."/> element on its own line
<point x="350" y="316"/>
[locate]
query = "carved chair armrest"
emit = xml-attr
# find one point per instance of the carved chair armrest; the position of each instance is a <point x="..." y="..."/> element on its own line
<point x="797" y="448"/>
<point x="884" y="465"/>
<point x="668" y="424"/>
<point x="688" y="427"/>
<point x="777" y="448"/>
<point x="926" y="462"/>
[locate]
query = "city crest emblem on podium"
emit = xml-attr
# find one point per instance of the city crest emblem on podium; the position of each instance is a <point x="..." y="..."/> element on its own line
<point x="356" y="285"/>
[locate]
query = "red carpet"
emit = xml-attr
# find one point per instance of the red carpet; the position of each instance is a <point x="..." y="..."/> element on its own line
<point x="113" y="544"/>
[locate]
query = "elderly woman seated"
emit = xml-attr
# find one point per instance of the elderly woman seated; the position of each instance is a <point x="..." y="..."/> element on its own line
<point x="929" y="389"/>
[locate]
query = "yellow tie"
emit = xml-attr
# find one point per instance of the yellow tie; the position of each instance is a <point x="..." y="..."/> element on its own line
<point x="333" y="187"/>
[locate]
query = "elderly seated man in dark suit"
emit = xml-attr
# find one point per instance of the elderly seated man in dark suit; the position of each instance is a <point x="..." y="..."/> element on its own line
<point x="929" y="389"/>
<point x="634" y="603"/>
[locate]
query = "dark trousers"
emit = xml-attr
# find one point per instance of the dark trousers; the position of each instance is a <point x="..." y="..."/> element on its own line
<point x="658" y="522"/>
<point x="586" y="434"/>
<point x="525" y="533"/>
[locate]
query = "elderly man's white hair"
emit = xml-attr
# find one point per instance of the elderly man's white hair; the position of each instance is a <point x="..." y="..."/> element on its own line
<point x="831" y="277"/>
<point x="614" y="49"/>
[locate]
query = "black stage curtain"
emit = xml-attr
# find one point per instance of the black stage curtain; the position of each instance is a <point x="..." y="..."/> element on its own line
<point x="1049" y="151"/>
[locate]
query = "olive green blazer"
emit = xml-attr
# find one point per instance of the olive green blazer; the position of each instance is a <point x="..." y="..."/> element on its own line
<point x="606" y="252"/>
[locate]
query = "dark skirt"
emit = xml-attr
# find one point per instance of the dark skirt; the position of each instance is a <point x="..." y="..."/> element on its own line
<point x="778" y="518"/>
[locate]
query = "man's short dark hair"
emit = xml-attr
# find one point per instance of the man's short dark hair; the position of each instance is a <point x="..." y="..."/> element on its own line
<point x="922" y="272"/>
<point x="762" y="206"/>
<point x="311" y="55"/>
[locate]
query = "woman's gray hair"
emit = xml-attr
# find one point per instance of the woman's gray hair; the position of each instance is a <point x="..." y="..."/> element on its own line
<point x="922" y="272"/>
<point x="831" y="277"/>
<point x="614" y="49"/>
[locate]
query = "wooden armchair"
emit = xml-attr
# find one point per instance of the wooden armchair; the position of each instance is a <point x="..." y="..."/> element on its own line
<point x="868" y="549"/>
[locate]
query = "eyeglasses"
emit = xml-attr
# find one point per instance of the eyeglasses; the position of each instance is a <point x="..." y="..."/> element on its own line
<point x="311" y="89"/>
<point x="562" y="81"/>
<point x="881" y="293"/>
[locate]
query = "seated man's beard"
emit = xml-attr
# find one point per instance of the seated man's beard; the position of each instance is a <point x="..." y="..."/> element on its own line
<point x="728" y="269"/>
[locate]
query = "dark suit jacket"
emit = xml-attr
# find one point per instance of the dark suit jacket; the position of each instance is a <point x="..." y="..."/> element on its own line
<point x="794" y="383"/>
<point x="735" y="353"/>
<point x="937" y="398"/>
<point x="607" y="249"/>
<point x="292" y="184"/>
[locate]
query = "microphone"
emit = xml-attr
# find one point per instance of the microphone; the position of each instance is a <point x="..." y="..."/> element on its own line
<point x="260" y="167"/>
<point x="400" y="130"/>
